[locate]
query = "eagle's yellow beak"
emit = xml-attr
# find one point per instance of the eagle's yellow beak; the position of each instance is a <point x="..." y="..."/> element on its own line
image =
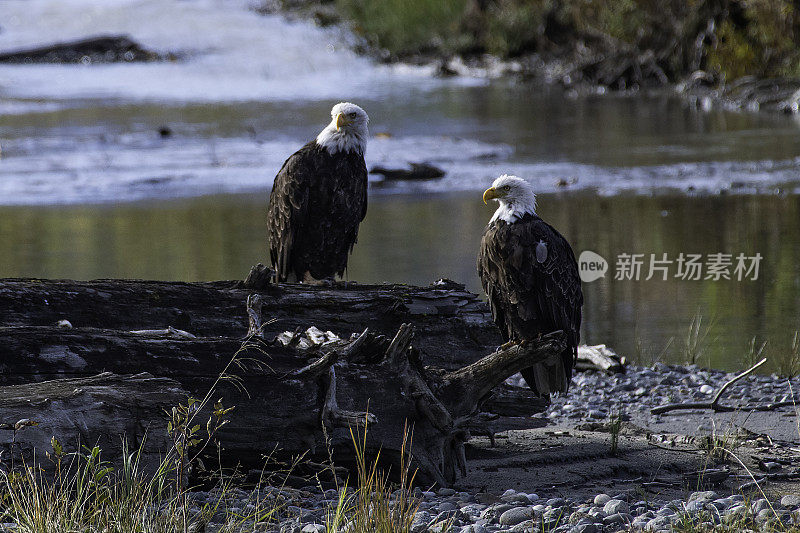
<point x="489" y="194"/>
<point x="341" y="120"/>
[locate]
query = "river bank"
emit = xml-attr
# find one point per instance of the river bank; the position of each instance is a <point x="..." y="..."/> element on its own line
<point x="672" y="472"/>
<point x="722" y="53"/>
<point x="682" y="472"/>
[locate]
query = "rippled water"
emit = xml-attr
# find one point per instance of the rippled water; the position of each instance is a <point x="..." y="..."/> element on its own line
<point x="88" y="188"/>
<point x="419" y="238"/>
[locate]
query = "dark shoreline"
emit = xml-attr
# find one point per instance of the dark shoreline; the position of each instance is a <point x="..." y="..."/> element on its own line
<point x="615" y="72"/>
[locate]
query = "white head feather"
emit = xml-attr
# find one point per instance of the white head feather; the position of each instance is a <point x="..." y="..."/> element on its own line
<point x="515" y="196"/>
<point x="347" y="131"/>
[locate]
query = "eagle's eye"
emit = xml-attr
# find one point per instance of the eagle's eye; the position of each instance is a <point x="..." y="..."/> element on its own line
<point x="506" y="187"/>
<point x="353" y="114"/>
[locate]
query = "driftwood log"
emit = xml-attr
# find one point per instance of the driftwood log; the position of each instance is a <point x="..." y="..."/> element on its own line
<point x="424" y="357"/>
<point x="102" y="410"/>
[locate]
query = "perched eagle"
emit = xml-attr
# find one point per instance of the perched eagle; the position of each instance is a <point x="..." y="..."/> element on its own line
<point x="531" y="277"/>
<point x="318" y="200"/>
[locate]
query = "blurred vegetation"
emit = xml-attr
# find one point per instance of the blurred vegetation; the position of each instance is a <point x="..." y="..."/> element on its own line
<point x="612" y="42"/>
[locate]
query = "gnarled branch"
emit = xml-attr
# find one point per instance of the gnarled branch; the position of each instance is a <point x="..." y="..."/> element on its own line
<point x="476" y="380"/>
<point x="714" y="404"/>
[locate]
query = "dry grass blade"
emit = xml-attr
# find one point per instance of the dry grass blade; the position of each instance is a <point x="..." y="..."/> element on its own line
<point x="376" y="505"/>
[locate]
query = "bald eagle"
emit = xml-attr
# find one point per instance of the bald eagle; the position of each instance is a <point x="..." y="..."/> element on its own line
<point x="318" y="200"/>
<point x="531" y="278"/>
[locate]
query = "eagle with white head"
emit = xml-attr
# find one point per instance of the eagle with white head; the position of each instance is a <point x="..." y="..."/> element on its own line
<point x="318" y="200"/>
<point x="530" y="276"/>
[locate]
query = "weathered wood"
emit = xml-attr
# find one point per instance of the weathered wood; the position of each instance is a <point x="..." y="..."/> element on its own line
<point x="417" y="171"/>
<point x="453" y="325"/>
<point x="293" y="397"/>
<point x="437" y="405"/>
<point x="599" y="357"/>
<point x="101" y="410"/>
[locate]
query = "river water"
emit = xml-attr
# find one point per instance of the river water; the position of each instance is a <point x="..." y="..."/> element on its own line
<point x="88" y="188"/>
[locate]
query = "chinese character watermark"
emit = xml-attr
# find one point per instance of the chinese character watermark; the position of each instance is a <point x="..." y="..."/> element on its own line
<point x="684" y="266"/>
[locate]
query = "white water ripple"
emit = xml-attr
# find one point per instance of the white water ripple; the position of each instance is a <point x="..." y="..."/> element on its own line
<point x="100" y="169"/>
<point x="227" y="51"/>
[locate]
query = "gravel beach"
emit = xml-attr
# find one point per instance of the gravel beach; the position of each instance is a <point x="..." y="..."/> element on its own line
<point x="565" y="478"/>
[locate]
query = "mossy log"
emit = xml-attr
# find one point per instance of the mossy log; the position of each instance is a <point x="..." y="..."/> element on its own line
<point x="424" y="358"/>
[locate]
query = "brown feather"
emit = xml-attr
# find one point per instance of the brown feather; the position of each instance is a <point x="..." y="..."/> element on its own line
<point x="529" y="298"/>
<point x="316" y="204"/>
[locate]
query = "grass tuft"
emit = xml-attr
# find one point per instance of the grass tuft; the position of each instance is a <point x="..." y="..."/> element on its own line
<point x="376" y="505"/>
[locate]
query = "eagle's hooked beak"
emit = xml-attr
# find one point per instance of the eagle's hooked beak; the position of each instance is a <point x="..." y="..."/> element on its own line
<point x="341" y="120"/>
<point x="489" y="194"/>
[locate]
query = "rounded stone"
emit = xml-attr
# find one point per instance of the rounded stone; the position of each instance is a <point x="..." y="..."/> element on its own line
<point x="791" y="501"/>
<point x="601" y="499"/>
<point x="734" y="514"/>
<point x="694" y="506"/>
<point x="523" y="527"/>
<point x="615" y="506"/>
<point x="447" y="506"/>
<point x="585" y="528"/>
<point x="515" y="516"/>
<point x="658" y="523"/>
<point x="555" y="502"/>
<point x="518" y="498"/>
<point x="763" y="515"/>
<point x="703" y="496"/>
<point x="759" y="505"/>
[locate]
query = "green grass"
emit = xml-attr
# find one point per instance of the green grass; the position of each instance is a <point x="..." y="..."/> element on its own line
<point x="407" y="26"/>
<point x="87" y="494"/>
<point x="697" y="340"/>
<point x="81" y="492"/>
<point x="376" y="505"/>
<point x="750" y="38"/>
<point x="788" y="358"/>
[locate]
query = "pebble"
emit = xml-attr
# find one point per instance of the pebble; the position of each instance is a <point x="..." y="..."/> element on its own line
<point x="615" y="506"/>
<point x="585" y="528"/>
<point x="595" y="396"/>
<point x="791" y="501"/>
<point x="515" y="516"/>
<point x="601" y="499"/>
<point x="618" y="518"/>
<point x="447" y="506"/>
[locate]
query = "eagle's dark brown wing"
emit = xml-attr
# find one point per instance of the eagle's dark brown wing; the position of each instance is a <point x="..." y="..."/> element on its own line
<point x="288" y="207"/>
<point x="533" y="292"/>
<point x="317" y="202"/>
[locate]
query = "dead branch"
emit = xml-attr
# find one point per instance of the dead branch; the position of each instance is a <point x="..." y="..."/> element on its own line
<point x="715" y="404"/>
